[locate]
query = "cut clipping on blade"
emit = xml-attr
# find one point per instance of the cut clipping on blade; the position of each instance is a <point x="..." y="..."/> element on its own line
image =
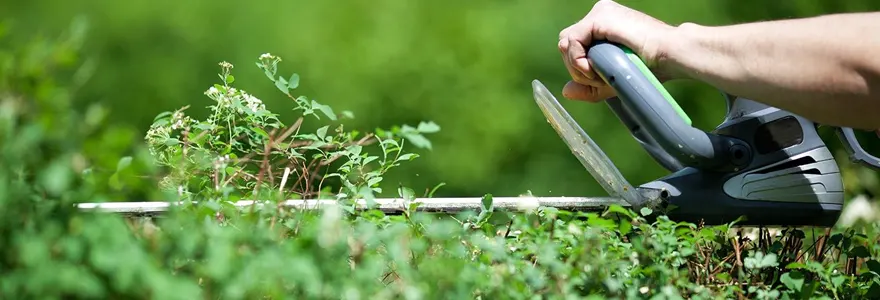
<point x="583" y="147"/>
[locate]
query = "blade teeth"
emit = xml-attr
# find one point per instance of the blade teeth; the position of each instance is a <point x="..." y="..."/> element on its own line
<point x="388" y="205"/>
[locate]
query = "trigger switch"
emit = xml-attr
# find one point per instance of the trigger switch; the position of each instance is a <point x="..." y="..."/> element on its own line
<point x="739" y="155"/>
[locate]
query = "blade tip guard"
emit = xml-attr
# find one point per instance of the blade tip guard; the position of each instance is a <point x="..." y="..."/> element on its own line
<point x="586" y="151"/>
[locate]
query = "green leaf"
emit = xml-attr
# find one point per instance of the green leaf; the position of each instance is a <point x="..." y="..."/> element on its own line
<point x="619" y="209"/>
<point x="838" y="280"/>
<point x="760" y="260"/>
<point x="707" y="233"/>
<point x="293" y="82"/>
<point x="204" y="126"/>
<point x="645" y="211"/>
<point x="873" y="265"/>
<point x="281" y="84"/>
<point x="355" y="149"/>
<point x="123" y="163"/>
<point x="860" y="251"/>
<point x="162" y="115"/>
<point x="322" y="132"/>
<point x="625" y="227"/>
<point x="873" y="291"/>
<point x="230" y="79"/>
<point x="406" y="193"/>
<point x="114" y="181"/>
<point x="487" y="202"/>
<point x="793" y="280"/>
<point x="57" y="177"/>
<point x="795" y="266"/>
<point x="260" y="131"/>
<point x="407" y="156"/>
<point x="428" y="127"/>
<point x="324" y="109"/>
<point x="418" y="140"/>
<point x="367" y="193"/>
<point x="373" y="181"/>
<point x="597" y="221"/>
<point x="268" y="72"/>
<point x="835" y="239"/>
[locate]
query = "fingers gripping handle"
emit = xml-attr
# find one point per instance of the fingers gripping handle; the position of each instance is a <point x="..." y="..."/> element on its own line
<point x="645" y="100"/>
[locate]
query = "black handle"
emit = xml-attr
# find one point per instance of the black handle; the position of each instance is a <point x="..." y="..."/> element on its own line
<point x="644" y="138"/>
<point x="856" y="153"/>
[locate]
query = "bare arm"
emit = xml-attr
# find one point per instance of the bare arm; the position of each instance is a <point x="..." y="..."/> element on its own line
<point x="824" y="68"/>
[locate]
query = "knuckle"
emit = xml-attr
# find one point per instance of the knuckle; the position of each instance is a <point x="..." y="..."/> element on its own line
<point x="565" y="32"/>
<point x="604" y="5"/>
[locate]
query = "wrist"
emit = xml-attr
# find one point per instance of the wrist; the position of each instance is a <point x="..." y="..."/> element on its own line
<point x="675" y="47"/>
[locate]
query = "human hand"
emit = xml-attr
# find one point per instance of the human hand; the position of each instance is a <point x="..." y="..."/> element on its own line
<point x="609" y="21"/>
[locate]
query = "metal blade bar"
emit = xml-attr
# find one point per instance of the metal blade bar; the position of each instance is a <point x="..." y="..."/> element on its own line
<point x="585" y="149"/>
<point x="389" y="205"/>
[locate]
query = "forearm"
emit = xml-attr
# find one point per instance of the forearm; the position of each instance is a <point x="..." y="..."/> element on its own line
<point x="823" y="68"/>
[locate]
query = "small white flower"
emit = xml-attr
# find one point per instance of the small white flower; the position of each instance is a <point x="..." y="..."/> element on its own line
<point x="331" y="226"/>
<point x="574" y="229"/>
<point x="859" y="209"/>
<point x="266" y="55"/>
<point x="253" y="103"/>
<point x="221" y="162"/>
<point x="157" y="133"/>
<point x="212" y="92"/>
<point x="527" y="203"/>
<point x="178" y="120"/>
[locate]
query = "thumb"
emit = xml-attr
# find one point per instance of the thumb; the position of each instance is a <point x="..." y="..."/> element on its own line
<point x="588" y="93"/>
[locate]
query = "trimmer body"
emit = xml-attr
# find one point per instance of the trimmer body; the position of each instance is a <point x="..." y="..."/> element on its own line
<point x="790" y="177"/>
<point x="761" y="166"/>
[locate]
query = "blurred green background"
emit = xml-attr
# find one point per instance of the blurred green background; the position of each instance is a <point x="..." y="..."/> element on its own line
<point x="466" y="65"/>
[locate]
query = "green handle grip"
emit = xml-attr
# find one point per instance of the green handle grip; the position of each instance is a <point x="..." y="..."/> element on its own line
<point x="637" y="61"/>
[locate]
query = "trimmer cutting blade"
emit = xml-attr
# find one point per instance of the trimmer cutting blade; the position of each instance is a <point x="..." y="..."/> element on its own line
<point x="583" y="147"/>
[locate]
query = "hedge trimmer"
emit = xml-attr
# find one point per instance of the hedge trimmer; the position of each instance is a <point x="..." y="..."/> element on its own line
<point x="762" y="163"/>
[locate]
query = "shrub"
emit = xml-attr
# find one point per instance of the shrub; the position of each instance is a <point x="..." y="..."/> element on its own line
<point x="54" y="156"/>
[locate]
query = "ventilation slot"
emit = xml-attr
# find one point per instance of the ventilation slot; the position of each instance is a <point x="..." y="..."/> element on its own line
<point x="792" y="164"/>
<point x="812" y="171"/>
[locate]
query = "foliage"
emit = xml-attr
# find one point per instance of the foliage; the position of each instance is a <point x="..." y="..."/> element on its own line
<point x="54" y="157"/>
<point x="243" y="151"/>
<point x="466" y="65"/>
